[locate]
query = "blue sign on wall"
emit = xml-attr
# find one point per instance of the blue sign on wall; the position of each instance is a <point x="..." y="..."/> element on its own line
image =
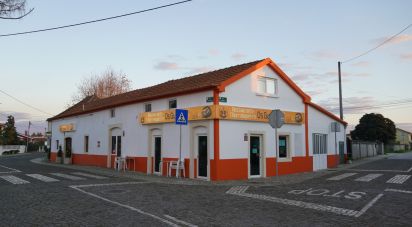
<point x="181" y="117"/>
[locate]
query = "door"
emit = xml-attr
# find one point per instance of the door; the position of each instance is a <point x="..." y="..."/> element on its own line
<point x="341" y="152"/>
<point x="117" y="145"/>
<point x="254" y="156"/>
<point x="157" y="153"/>
<point x="202" y="156"/>
<point x="320" y="156"/>
<point x="68" y="147"/>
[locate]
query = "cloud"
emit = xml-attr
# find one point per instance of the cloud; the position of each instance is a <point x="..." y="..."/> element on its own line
<point x="361" y="64"/>
<point x="398" y="39"/>
<point x="165" y="65"/>
<point x="198" y="70"/>
<point x="405" y="126"/>
<point x="406" y="56"/>
<point x="351" y="105"/>
<point x="238" y="56"/>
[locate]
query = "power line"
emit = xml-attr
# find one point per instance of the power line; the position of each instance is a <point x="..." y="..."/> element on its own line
<point x="376" y="47"/>
<point x="28" y="105"/>
<point x="94" y="21"/>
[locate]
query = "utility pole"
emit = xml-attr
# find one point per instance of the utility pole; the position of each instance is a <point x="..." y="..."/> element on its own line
<point x="28" y="134"/>
<point x="340" y="92"/>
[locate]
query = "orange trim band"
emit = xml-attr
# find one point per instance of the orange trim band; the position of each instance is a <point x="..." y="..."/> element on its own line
<point x="306" y="130"/>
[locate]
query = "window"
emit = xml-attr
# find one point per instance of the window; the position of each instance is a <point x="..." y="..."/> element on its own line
<point x="172" y="104"/>
<point x="320" y="143"/>
<point x="57" y="144"/>
<point x="148" y="107"/>
<point x="267" y="86"/>
<point x="112" y="113"/>
<point x="283" y="146"/>
<point x="86" y="144"/>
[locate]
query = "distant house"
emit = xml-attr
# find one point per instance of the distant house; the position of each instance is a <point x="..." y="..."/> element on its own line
<point x="404" y="138"/>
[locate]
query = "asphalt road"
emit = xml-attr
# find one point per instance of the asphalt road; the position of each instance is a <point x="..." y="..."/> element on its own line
<point x="378" y="193"/>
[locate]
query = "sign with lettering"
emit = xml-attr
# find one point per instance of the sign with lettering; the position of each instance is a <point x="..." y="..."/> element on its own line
<point x="220" y="112"/>
<point x="66" y="128"/>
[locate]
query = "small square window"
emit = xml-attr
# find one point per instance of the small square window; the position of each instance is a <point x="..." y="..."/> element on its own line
<point x="267" y="86"/>
<point x="112" y="113"/>
<point x="148" y="107"/>
<point x="283" y="146"/>
<point x="173" y="104"/>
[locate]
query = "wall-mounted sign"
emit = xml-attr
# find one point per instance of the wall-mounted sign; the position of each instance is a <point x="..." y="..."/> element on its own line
<point x="209" y="99"/>
<point x="66" y="128"/>
<point x="222" y="99"/>
<point x="220" y="112"/>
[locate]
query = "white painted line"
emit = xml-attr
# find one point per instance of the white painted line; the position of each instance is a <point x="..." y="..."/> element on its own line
<point x="109" y="184"/>
<point x="342" y="176"/>
<point x="42" y="178"/>
<point x="180" y="221"/>
<point x="369" y="205"/>
<point x="369" y="177"/>
<point x="308" y="205"/>
<point x="409" y="170"/>
<point x="126" y="206"/>
<point x="397" y="190"/>
<point x="14" y="180"/>
<point x="381" y="170"/>
<point x="398" y="179"/>
<point x="12" y="170"/>
<point x="89" y="175"/>
<point x="237" y="189"/>
<point x="67" y="176"/>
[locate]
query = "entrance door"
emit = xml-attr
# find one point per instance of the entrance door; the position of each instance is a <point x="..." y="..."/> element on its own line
<point x="254" y="156"/>
<point x="117" y="145"/>
<point x="320" y="156"/>
<point x="157" y="153"/>
<point x="202" y="156"/>
<point x="68" y="146"/>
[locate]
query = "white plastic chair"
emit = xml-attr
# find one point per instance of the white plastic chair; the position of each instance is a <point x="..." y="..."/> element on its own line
<point x="178" y="166"/>
<point x="120" y="163"/>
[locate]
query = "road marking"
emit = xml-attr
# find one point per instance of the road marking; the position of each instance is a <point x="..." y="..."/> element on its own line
<point x="307" y="205"/>
<point x="109" y="184"/>
<point x="398" y="179"/>
<point x="67" y="176"/>
<point x="89" y="175"/>
<point x="369" y="205"/>
<point x="123" y="205"/>
<point x="342" y="176"/>
<point x="180" y="221"/>
<point x="42" y="178"/>
<point x="12" y="170"/>
<point x="397" y="190"/>
<point x="14" y="180"/>
<point x="237" y="189"/>
<point x="369" y="177"/>
<point x="381" y="170"/>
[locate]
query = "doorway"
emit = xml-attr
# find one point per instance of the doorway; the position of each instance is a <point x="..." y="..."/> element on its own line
<point x="255" y="157"/>
<point x="202" y="159"/>
<point x="117" y="145"/>
<point x="68" y="147"/>
<point x="157" y="153"/>
<point x="341" y="152"/>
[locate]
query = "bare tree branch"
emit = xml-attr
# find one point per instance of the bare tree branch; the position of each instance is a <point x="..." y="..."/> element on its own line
<point x="13" y="9"/>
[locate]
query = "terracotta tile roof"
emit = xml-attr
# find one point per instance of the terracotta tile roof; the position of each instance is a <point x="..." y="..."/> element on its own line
<point x="196" y="83"/>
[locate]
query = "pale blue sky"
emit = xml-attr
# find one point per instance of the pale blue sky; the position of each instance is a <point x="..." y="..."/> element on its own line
<point x="306" y="38"/>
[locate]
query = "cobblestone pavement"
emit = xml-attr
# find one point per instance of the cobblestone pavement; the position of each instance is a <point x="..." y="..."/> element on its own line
<point x="375" y="192"/>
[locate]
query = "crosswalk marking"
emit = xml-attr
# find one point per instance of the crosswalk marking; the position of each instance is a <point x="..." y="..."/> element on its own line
<point x="368" y="177"/>
<point x="14" y="180"/>
<point x="67" y="176"/>
<point x="42" y="178"/>
<point x="398" y="179"/>
<point x="89" y="175"/>
<point x="342" y="176"/>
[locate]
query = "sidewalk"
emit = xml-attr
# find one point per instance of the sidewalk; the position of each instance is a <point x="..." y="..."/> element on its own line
<point x="273" y="181"/>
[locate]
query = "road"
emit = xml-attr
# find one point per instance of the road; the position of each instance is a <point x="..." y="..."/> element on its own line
<point x="377" y="193"/>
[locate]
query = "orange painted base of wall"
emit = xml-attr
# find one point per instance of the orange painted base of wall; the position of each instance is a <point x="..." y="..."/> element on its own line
<point x="53" y="156"/>
<point x="89" y="160"/>
<point x="232" y="169"/>
<point x="296" y="165"/>
<point x="333" y="161"/>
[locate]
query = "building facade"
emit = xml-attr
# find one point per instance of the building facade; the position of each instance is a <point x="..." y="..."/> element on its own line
<point x="227" y="137"/>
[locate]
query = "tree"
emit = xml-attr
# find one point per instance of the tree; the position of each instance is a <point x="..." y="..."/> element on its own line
<point x="107" y="84"/>
<point x="9" y="133"/>
<point x="13" y="9"/>
<point x="374" y="127"/>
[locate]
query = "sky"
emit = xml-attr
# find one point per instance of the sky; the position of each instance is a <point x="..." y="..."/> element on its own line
<point x="305" y="38"/>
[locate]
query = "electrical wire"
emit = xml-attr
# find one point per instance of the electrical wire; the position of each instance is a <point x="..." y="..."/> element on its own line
<point x="94" y="21"/>
<point x="28" y="105"/>
<point x="376" y="47"/>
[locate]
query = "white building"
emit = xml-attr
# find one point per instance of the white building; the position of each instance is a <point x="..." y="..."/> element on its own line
<point x="228" y="136"/>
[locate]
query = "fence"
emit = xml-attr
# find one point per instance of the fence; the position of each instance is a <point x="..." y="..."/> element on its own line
<point x="363" y="149"/>
<point x="396" y="147"/>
